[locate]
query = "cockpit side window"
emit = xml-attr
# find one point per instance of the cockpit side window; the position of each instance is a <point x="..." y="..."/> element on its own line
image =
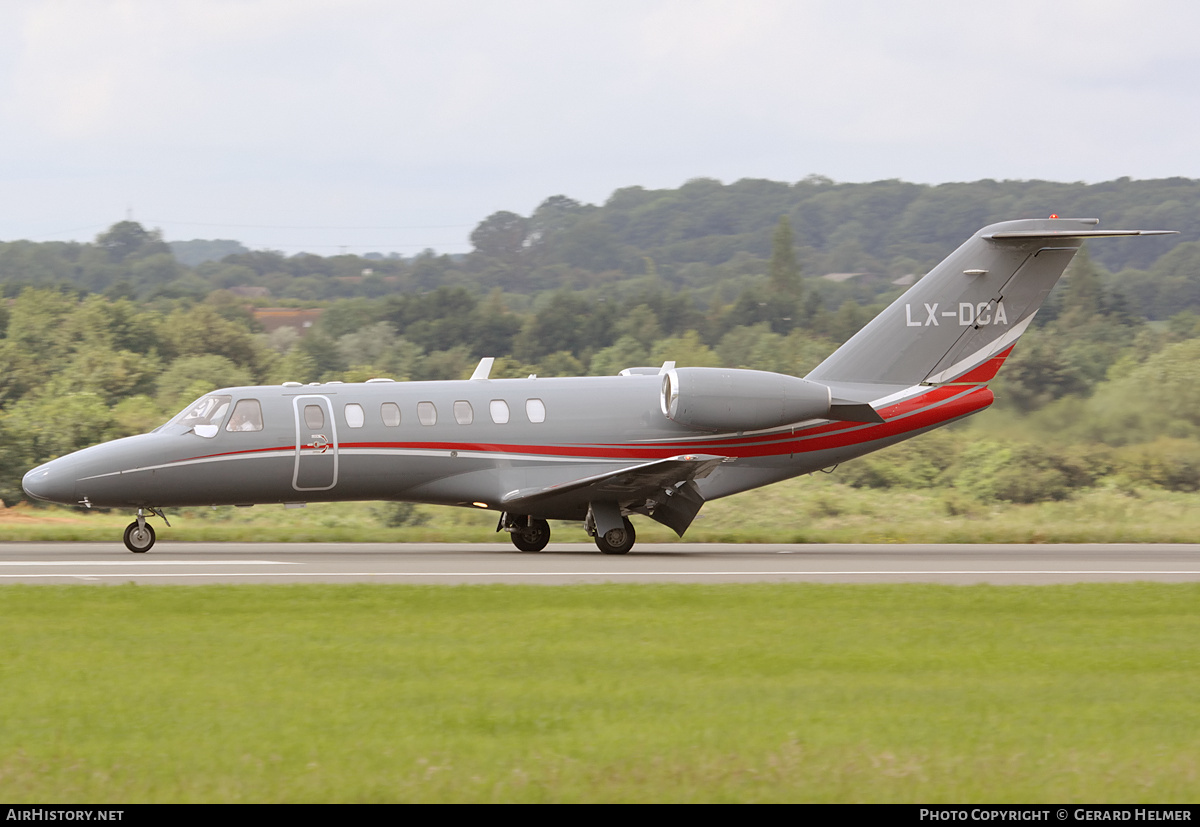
<point x="247" y="416"/>
<point x="205" y="411"/>
<point x="204" y="415"/>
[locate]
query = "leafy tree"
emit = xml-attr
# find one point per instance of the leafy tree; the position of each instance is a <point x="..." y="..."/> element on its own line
<point x="455" y="363"/>
<point x="784" y="271"/>
<point x="1037" y="372"/>
<point x="109" y="374"/>
<point x="848" y="320"/>
<point x="429" y="270"/>
<point x="1121" y="412"/>
<point x="641" y="323"/>
<point x="128" y="239"/>
<point x="1019" y="473"/>
<point x="501" y="236"/>
<point x="198" y="251"/>
<point x="50" y="425"/>
<point x="626" y="352"/>
<point x="201" y="331"/>
<point x="493" y="327"/>
<point x="1085" y="294"/>
<point x="686" y="351"/>
<point x="190" y="377"/>
<point x="562" y="363"/>
<point x="568" y="321"/>
<point x="368" y="345"/>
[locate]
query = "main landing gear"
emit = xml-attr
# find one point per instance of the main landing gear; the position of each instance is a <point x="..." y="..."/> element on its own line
<point x="617" y="540"/>
<point x="139" y="535"/>
<point x="526" y="533"/>
<point x="533" y="534"/>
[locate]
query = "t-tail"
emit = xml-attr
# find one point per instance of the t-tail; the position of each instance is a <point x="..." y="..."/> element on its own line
<point x="958" y="323"/>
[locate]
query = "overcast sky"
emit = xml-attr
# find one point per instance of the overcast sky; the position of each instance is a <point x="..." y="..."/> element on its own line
<point x="396" y="125"/>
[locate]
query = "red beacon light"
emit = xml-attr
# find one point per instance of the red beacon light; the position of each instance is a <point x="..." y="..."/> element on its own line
<point x="1054" y="215"/>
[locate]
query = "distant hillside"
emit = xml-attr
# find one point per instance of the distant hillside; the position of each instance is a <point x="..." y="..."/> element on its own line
<point x="875" y="227"/>
<point x="708" y="239"/>
<point x="198" y="251"/>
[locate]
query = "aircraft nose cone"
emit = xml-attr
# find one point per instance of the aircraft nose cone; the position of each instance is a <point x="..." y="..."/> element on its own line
<point x="44" y="483"/>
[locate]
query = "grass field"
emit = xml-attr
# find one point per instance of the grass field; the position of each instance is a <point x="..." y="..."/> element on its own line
<point x="667" y="693"/>
<point x="815" y="509"/>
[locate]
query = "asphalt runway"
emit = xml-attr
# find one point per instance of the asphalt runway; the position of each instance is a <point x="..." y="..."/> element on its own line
<point x="562" y="563"/>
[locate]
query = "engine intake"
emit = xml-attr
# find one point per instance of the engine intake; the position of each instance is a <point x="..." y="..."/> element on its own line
<point x="720" y="399"/>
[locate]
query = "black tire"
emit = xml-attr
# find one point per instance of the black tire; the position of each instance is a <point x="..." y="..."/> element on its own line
<point x="139" y="540"/>
<point x="617" y="540"/>
<point x="533" y="538"/>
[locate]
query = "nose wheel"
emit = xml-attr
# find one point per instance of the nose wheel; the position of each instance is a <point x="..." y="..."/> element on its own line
<point x="139" y="536"/>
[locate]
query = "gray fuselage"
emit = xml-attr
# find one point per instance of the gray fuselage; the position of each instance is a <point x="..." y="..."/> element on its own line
<point x="459" y="452"/>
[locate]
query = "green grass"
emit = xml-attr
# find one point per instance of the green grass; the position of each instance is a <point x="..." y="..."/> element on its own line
<point x="816" y="509"/>
<point x="600" y="693"/>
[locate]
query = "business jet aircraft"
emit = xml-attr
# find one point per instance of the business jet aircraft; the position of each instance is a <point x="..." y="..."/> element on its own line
<point x="657" y="441"/>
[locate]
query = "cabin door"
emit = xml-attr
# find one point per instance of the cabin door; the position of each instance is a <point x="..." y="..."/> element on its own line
<point x="316" y="444"/>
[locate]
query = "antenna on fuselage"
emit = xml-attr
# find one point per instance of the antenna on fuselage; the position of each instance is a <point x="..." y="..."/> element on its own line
<point x="484" y="369"/>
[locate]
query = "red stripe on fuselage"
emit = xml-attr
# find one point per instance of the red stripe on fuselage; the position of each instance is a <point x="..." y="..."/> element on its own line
<point x="937" y="405"/>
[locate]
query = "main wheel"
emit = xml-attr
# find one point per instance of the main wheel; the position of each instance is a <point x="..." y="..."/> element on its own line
<point x="139" y="539"/>
<point x="532" y="538"/>
<point x="617" y="540"/>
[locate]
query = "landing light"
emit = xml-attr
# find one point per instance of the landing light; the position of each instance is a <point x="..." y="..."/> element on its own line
<point x="480" y="505"/>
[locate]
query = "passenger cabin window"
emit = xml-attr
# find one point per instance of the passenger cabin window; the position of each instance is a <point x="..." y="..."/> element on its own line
<point x="354" y="415"/>
<point x="499" y="411"/>
<point x="463" y="413"/>
<point x="389" y="412"/>
<point x="426" y="413"/>
<point x="247" y="416"/>
<point x="314" y="417"/>
<point x="535" y="409"/>
<point x="205" y="415"/>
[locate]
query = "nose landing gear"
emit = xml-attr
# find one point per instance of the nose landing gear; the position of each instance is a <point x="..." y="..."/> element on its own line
<point x="139" y="535"/>
<point x="139" y="538"/>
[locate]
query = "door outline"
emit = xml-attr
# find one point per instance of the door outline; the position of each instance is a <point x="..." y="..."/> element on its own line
<point x="315" y="444"/>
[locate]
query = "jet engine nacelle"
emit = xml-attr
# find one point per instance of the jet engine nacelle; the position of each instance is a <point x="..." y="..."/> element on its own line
<point x="720" y="399"/>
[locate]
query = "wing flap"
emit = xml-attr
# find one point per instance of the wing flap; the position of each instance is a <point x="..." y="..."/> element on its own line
<point x="663" y="489"/>
<point x="624" y="484"/>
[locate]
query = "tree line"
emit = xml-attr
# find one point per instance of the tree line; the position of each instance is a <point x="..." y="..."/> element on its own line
<point x="110" y="338"/>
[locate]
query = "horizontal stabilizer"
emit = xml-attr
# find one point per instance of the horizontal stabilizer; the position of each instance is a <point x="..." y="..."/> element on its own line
<point x="1075" y="233"/>
<point x="845" y="411"/>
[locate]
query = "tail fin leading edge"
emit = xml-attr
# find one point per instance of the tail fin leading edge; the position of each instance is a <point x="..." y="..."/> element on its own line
<point x="969" y="309"/>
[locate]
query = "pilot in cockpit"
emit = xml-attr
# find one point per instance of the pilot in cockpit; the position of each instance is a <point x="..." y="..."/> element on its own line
<point x="240" y="422"/>
<point x="247" y="416"/>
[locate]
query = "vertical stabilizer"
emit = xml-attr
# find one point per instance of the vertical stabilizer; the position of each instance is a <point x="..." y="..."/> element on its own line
<point x="968" y="309"/>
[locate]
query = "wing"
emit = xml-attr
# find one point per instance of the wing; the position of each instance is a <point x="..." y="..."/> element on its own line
<point x="664" y="490"/>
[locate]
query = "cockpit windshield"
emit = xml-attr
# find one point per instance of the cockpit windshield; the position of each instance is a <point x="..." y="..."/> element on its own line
<point x="206" y="411"/>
